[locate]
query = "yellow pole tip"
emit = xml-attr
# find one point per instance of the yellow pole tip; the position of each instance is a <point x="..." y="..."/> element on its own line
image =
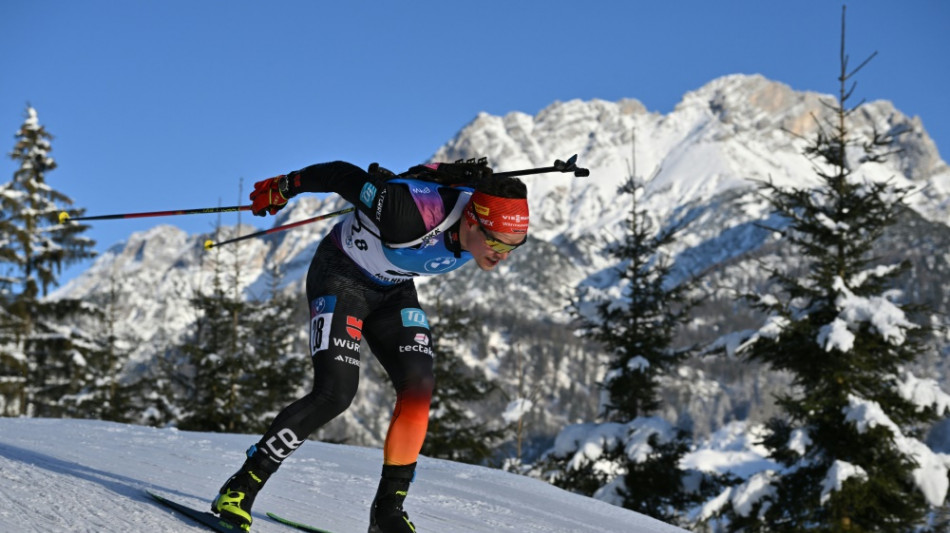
<point x="63" y="217"/>
<point x="209" y="244"/>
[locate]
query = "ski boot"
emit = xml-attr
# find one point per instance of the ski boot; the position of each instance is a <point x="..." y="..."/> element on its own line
<point x="386" y="515"/>
<point x="234" y="500"/>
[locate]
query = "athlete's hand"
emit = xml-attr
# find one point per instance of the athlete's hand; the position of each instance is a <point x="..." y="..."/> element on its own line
<point x="267" y="196"/>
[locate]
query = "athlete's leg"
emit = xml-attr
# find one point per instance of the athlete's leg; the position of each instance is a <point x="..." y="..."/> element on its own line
<point x="335" y="333"/>
<point x="398" y="334"/>
<point x="337" y="307"/>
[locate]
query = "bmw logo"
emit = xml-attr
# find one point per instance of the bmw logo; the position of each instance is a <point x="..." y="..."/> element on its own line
<point x="440" y="264"/>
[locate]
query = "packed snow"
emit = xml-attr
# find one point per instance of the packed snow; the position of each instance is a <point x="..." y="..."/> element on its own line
<point x="90" y="476"/>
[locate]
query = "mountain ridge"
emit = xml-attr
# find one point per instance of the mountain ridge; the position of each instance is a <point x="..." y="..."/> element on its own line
<point x="700" y="163"/>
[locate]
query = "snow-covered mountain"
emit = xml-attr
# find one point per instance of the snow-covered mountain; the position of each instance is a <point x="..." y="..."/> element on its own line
<point x="700" y="163"/>
<point x="88" y="476"/>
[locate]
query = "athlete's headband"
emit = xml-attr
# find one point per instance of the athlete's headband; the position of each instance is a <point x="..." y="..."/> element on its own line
<point x="497" y="214"/>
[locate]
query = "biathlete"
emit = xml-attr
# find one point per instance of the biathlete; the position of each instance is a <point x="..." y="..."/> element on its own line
<point x="360" y="285"/>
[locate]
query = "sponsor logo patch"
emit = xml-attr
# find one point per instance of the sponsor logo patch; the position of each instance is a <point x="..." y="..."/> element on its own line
<point x="283" y="443"/>
<point x="354" y="327"/>
<point x="421" y="338"/>
<point x="440" y="264"/>
<point x="515" y="218"/>
<point x="323" y="304"/>
<point x="367" y="194"/>
<point x="353" y="346"/>
<point x="417" y="348"/>
<point x="414" y="318"/>
<point x="379" y="205"/>
<point x="348" y="360"/>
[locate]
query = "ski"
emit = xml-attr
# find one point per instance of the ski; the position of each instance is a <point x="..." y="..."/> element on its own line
<point x="204" y="518"/>
<point x="297" y="525"/>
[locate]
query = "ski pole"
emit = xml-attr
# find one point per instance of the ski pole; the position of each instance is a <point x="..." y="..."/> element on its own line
<point x="64" y="216"/>
<point x="559" y="166"/>
<point x="209" y="244"/>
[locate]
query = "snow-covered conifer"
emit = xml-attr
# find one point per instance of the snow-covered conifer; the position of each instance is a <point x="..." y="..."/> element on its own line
<point x="455" y="431"/>
<point x="240" y="362"/>
<point x="632" y="458"/>
<point x="41" y="361"/>
<point x="848" y="436"/>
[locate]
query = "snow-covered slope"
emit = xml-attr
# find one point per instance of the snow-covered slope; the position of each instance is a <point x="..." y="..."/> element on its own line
<point x="88" y="476"/>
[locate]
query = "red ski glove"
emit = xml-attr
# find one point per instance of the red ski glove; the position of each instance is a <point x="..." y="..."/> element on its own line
<point x="269" y="197"/>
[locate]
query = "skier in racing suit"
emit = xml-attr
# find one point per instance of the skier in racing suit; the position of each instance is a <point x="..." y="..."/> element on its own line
<point x="360" y="284"/>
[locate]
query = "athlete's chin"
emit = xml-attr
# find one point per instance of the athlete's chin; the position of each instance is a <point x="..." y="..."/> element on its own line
<point x="487" y="264"/>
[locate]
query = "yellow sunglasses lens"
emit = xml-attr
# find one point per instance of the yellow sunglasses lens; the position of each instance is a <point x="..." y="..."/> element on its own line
<point x="502" y="247"/>
<point x="499" y="246"/>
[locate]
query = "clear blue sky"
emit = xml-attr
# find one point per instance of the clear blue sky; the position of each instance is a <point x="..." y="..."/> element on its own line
<point x="168" y="104"/>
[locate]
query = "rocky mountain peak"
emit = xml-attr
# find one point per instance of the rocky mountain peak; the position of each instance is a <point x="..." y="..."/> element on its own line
<point x="699" y="161"/>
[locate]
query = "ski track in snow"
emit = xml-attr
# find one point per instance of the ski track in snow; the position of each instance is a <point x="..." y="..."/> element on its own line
<point x="90" y="476"/>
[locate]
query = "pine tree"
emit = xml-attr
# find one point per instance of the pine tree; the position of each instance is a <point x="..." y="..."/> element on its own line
<point x="106" y="392"/>
<point x="639" y="335"/>
<point x="844" y="339"/>
<point x="210" y="362"/>
<point x="278" y="364"/>
<point x="635" y="323"/>
<point x="40" y="360"/>
<point x="240" y="363"/>
<point x="455" y="432"/>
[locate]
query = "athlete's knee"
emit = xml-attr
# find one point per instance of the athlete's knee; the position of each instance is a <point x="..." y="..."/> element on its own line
<point x="425" y="382"/>
<point x="332" y="400"/>
<point x="335" y="381"/>
<point x="417" y="383"/>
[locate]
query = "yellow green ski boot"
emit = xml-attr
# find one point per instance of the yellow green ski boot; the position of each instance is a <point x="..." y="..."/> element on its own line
<point x="234" y="500"/>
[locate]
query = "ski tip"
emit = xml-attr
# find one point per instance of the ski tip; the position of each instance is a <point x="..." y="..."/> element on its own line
<point x="63" y="217"/>
<point x="209" y="244"/>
